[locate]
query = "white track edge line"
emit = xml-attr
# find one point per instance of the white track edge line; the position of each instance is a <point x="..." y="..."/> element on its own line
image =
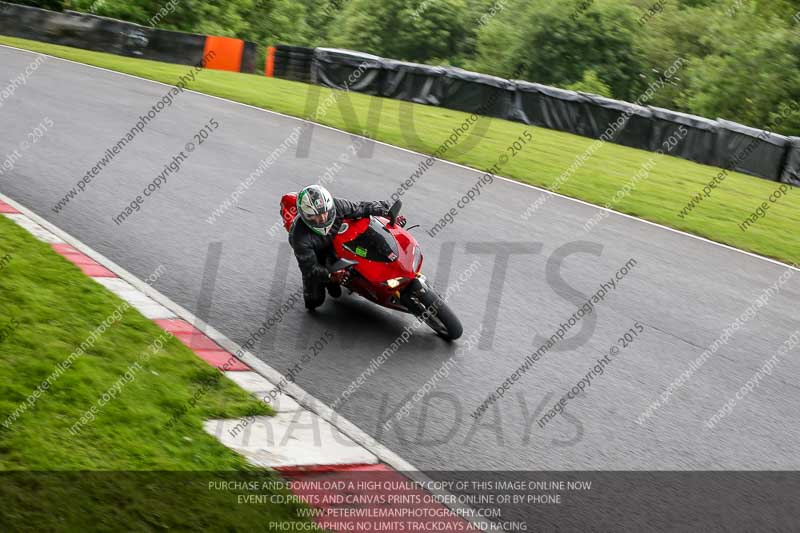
<point x="304" y="398"/>
<point x="537" y="188"/>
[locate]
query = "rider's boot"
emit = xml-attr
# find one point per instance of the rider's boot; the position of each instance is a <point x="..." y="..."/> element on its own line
<point x="334" y="289"/>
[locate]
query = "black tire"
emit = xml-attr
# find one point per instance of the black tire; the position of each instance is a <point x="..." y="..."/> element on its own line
<point x="440" y="318"/>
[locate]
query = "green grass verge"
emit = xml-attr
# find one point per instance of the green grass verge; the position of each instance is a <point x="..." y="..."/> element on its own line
<point x="48" y="308"/>
<point x="659" y="198"/>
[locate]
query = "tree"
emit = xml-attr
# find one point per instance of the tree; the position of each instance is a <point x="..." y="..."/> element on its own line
<point x="403" y="29"/>
<point x="590" y="83"/>
<point x="280" y="21"/>
<point x="555" y="43"/>
<point x="740" y="59"/>
<point x="749" y="80"/>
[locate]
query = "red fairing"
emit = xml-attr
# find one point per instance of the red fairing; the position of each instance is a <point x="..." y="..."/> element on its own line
<point x="374" y="274"/>
<point x="288" y="209"/>
<point x="381" y="261"/>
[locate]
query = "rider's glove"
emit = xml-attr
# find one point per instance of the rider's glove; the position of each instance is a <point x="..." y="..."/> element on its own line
<point x="340" y="276"/>
<point x="400" y="221"/>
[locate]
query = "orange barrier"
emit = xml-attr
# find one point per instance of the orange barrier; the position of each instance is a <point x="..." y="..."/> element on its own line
<point x="227" y="53"/>
<point x="269" y="67"/>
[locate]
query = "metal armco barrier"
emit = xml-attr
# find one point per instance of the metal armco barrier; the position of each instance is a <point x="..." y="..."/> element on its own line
<point x="292" y="62"/>
<point x="699" y="143"/>
<point x="478" y="93"/>
<point x="713" y="142"/>
<point x="102" y="34"/>
<point x="749" y="150"/>
<point x="413" y="82"/>
<point x="345" y="69"/>
<point x="791" y="169"/>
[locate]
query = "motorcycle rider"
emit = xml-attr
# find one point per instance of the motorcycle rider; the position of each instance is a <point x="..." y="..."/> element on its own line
<point x="312" y="240"/>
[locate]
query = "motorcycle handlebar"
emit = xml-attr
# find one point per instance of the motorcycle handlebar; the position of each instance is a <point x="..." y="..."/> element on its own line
<point x="394" y="211"/>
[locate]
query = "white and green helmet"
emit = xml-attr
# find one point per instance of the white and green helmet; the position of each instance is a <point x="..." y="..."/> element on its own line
<point x="315" y="207"/>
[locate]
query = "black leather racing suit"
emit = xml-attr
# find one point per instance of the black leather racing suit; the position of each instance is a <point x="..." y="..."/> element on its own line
<point x="314" y="251"/>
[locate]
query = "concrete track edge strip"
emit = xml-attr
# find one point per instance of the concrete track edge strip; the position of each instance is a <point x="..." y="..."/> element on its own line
<point x="293" y="390"/>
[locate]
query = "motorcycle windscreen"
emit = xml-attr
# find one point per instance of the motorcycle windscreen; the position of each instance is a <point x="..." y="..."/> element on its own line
<point x="375" y="244"/>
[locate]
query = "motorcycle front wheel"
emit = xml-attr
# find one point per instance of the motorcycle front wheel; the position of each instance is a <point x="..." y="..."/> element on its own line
<point x="431" y="309"/>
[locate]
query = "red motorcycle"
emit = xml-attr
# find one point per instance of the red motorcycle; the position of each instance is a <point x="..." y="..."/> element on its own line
<point x="383" y="263"/>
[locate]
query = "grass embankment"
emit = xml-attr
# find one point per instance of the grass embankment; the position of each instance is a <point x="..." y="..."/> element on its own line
<point x="47" y="309"/>
<point x="671" y="183"/>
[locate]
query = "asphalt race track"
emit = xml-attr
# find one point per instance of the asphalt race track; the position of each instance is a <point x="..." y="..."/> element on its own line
<point x="684" y="291"/>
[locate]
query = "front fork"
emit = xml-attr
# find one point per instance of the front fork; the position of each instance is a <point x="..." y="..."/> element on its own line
<point x="409" y="296"/>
